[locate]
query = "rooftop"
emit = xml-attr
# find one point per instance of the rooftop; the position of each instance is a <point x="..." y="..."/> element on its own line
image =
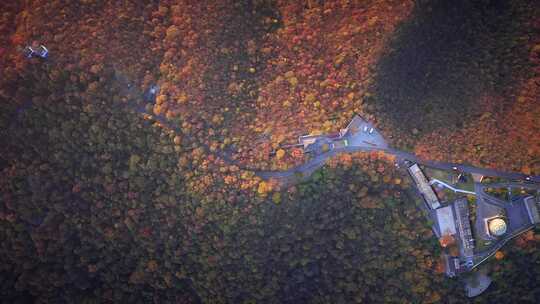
<point x="446" y="221"/>
<point x="532" y="205"/>
<point x="424" y="187"/>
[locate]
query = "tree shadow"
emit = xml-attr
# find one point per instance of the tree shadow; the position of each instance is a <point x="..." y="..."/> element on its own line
<point x="244" y="26"/>
<point x="446" y="57"/>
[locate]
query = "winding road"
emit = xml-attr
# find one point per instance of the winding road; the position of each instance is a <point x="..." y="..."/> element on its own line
<point x="359" y="142"/>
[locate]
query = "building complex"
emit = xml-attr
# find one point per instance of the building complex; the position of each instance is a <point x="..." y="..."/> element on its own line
<point x="467" y="242"/>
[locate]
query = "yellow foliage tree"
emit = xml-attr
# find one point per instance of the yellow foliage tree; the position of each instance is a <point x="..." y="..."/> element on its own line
<point x="280" y="153"/>
<point x="264" y="188"/>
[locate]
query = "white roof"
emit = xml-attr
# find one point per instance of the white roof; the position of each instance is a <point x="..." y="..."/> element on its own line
<point x="497" y="227"/>
<point x="424" y="187"/>
<point x="445" y="219"/>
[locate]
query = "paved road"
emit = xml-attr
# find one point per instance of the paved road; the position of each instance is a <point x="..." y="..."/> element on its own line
<point x="401" y="156"/>
<point x="359" y="142"/>
<point x="465" y="168"/>
<point x="373" y="141"/>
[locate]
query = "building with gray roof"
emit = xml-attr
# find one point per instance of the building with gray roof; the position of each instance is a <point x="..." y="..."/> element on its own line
<point x="424" y="187"/>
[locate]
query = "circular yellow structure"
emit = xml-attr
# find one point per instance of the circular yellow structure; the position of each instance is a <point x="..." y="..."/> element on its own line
<point x="497" y="227"/>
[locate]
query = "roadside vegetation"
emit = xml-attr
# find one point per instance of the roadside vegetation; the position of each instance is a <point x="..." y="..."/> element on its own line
<point x="102" y="204"/>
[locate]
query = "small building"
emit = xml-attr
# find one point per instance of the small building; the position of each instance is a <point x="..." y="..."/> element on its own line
<point x="446" y="221"/>
<point x="351" y="136"/>
<point x="307" y="140"/>
<point x="533" y="206"/>
<point x="322" y="143"/>
<point x="40" y="51"/>
<point x="317" y="145"/>
<point x="461" y="209"/>
<point x="424" y="187"/>
<point x="353" y="126"/>
<point x="453" y="266"/>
